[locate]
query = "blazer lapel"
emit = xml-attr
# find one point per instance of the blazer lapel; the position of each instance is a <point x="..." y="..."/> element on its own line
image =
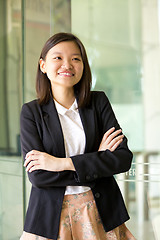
<point x="52" y="121"/>
<point x="88" y="122"/>
<point x="53" y="124"/>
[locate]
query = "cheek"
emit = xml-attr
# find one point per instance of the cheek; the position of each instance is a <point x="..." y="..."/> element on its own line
<point x="51" y="72"/>
<point x="80" y="71"/>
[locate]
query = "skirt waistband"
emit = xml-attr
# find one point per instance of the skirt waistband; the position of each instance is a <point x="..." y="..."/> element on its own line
<point x="80" y="198"/>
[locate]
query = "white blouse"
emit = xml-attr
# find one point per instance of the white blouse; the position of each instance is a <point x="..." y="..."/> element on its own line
<point x="74" y="137"/>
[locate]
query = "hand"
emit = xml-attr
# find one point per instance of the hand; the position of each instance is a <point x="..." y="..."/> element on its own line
<point x="111" y="140"/>
<point x="36" y="160"/>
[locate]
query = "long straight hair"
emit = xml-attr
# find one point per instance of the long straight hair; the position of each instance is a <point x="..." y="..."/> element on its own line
<point x="82" y="88"/>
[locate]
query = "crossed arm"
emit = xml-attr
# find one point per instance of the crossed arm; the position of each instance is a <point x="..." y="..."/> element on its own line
<point x="37" y="160"/>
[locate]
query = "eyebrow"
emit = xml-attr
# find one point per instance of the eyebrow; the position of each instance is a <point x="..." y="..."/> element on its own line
<point x="61" y="53"/>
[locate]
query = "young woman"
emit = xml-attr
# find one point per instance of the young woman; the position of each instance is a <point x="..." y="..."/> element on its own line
<point x="72" y="145"/>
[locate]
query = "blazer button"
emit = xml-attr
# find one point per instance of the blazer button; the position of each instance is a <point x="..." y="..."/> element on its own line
<point x="97" y="195"/>
<point x="95" y="176"/>
<point x="88" y="177"/>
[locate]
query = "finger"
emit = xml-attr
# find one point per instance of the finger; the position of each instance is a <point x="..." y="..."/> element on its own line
<point x="32" y="152"/>
<point x="31" y="165"/>
<point x="29" y="159"/>
<point x="116" y="145"/>
<point x="36" y="167"/>
<point x="108" y="132"/>
<point x="28" y="154"/>
<point x="115" y="140"/>
<point x="114" y="134"/>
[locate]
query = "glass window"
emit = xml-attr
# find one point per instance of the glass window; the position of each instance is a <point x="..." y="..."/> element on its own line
<point x="43" y="19"/>
<point x="10" y="71"/>
<point x="11" y="201"/>
<point x="112" y="35"/>
<point x="123" y="47"/>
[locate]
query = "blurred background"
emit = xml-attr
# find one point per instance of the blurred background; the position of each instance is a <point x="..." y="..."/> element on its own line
<point x="122" y="39"/>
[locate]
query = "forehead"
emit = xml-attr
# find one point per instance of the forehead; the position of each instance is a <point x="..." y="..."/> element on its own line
<point x="67" y="47"/>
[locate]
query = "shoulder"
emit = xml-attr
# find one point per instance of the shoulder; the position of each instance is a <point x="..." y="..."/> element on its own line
<point x="31" y="107"/>
<point x="98" y="94"/>
<point x="98" y="98"/>
<point x="31" y="104"/>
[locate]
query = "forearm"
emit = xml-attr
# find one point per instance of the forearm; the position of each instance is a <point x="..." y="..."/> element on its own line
<point x="67" y="164"/>
<point x="43" y="179"/>
<point x="37" y="160"/>
<point x="91" y="166"/>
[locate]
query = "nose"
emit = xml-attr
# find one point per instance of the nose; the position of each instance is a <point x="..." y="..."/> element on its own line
<point x="67" y="64"/>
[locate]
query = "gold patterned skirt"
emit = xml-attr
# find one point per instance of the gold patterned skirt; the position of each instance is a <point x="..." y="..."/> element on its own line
<point x="80" y="221"/>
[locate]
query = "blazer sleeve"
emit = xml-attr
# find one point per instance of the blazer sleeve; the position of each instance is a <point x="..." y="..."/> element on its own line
<point x="99" y="164"/>
<point x="31" y="139"/>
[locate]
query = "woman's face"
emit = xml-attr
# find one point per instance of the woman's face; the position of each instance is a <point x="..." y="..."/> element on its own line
<point x="63" y="65"/>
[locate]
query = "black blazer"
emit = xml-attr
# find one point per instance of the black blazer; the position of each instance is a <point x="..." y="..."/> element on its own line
<point x="41" y="130"/>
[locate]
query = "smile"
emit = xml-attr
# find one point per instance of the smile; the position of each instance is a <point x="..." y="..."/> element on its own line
<point x="66" y="74"/>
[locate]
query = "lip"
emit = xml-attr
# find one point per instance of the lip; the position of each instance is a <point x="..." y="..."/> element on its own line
<point x="66" y="73"/>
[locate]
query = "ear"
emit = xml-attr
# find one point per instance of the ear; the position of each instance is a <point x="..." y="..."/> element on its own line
<point x="42" y="65"/>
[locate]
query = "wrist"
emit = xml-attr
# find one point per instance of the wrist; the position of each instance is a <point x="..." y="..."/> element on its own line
<point x="69" y="164"/>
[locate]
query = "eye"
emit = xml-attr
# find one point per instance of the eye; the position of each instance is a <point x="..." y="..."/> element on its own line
<point x="57" y="58"/>
<point x="77" y="59"/>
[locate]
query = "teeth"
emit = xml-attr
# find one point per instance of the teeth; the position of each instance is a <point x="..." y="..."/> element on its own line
<point x="68" y="74"/>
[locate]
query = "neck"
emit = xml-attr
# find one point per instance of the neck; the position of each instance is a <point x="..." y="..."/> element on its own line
<point x="65" y="97"/>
